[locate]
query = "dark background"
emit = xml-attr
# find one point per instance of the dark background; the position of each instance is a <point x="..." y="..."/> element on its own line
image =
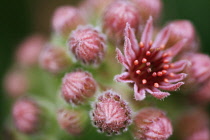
<point x="19" y="18"/>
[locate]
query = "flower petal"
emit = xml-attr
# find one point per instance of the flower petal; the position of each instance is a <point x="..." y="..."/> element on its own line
<point x="157" y="93"/>
<point x="175" y="49"/>
<point x="139" y="94"/>
<point x="179" y="66"/>
<point x="161" y="38"/>
<point x="129" y="33"/>
<point x="121" y="58"/>
<point x="171" y="87"/>
<point x="124" y="78"/>
<point x="177" y="77"/>
<point x="147" y="33"/>
<point x="128" y="51"/>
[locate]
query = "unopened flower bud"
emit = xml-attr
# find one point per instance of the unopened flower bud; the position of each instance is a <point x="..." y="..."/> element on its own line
<point x="194" y="126"/>
<point x="115" y="18"/>
<point x="16" y="83"/>
<point x="54" y="59"/>
<point x="26" y="115"/>
<point x="66" y="19"/>
<point x="149" y="8"/>
<point x="198" y="71"/>
<point x="71" y="121"/>
<point x="183" y="29"/>
<point x="152" y="124"/>
<point x="201" y="95"/>
<point x="78" y="86"/>
<point x="87" y="45"/>
<point x="29" y="50"/>
<point x="111" y="114"/>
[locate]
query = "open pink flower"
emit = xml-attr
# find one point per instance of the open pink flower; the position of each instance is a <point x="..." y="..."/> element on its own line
<point x="148" y="65"/>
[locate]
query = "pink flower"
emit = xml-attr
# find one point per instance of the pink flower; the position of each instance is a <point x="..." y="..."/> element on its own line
<point x="152" y="124"/>
<point x="148" y="65"/>
<point x="111" y="114"/>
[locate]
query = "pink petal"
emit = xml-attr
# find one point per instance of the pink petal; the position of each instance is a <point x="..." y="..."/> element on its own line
<point x="128" y="51"/>
<point x="177" y="77"/>
<point x="179" y="66"/>
<point x="124" y="78"/>
<point x="121" y="58"/>
<point x="139" y="94"/>
<point x="161" y="38"/>
<point x="171" y="87"/>
<point x="157" y="93"/>
<point x="129" y="33"/>
<point x="175" y="49"/>
<point x="147" y="33"/>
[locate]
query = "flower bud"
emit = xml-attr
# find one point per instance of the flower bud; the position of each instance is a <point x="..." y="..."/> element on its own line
<point x="183" y="29"/>
<point x="78" y="86"/>
<point x="111" y="114"/>
<point x="66" y="19"/>
<point x="87" y="45"/>
<point x="115" y="18"/>
<point x="194" y="126"/>
<point x="54" y="59"/>
<point x="71" y="121"/>
<point x="152" y="124"/>
<point x="149" y="8"/>
<point x="94" y="8"/>
<point x="26" y="115"/>
<point x="15" y="83"/>
<point x="202" y="94"/>
<point x="29" y="50"/>
<point x="198" y="71"/>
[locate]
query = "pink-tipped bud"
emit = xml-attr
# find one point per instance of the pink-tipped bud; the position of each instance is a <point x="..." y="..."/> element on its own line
<point x="183" y="29"/>
<point x="78" y="86"/>
<point x="87" y="44"/>
<point x="54" y="59"/>
<point x="194" y="126"/>
<point x="26" y="115"/>
<point x="115" y="18"/>
<point x="15" y="83"/>
<point x="66" y="19"/>
<point x="149" y="8"/>
<point x="29" y="50"/>
<point x="152" y="124"/>
<point x="198" y="71"/>
<point x="111" y="114"/>
<point x="71" y="121"/>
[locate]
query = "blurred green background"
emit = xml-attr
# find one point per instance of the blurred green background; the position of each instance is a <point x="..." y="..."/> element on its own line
<point x="19" y="18"/>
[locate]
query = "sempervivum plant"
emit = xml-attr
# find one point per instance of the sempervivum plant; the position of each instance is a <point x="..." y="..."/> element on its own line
<point x="91" y="78"/>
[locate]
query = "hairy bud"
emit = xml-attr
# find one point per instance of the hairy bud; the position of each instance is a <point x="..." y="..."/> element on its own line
<point x="78" y="86"/>
<point x="115" y="18"/>
<point x="15" y="83"/>
<point x="87" y="45"/>
<point x="149" y="8"/>
<point x="71" y="121"/>
<point x="26" y="115"/>
<point x="111" y="114"/>
<point x="29" y="50"/>
<point x="193" y="125"/>
<point x="66" y="19"/>
<point x="152" y="124"/>
<point x="54" y="59"/>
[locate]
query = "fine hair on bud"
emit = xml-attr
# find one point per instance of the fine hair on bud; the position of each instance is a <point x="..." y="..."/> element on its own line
<point x="111" y="114"/>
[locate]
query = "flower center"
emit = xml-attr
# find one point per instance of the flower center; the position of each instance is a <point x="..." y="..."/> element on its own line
<point x="151" y="67"/>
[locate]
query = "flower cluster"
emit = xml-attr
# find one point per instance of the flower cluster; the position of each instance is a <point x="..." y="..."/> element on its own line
<point x="61" y="84"/>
